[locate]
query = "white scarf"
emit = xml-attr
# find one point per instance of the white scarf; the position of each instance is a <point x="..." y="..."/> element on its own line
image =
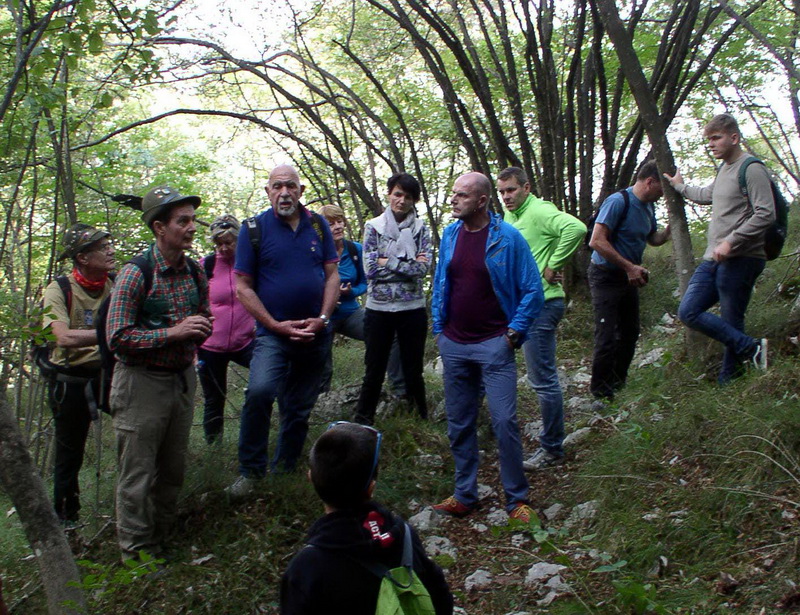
<point x="400" y="237"/>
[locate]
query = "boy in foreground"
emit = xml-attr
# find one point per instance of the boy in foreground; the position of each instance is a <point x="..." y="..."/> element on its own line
<point x="329" y="576"/>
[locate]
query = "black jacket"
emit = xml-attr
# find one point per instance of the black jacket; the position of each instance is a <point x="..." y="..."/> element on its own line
<point x="325" y="578"/>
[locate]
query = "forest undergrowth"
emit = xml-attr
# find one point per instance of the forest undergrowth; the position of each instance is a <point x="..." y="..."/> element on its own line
<point x="690" y="492"/>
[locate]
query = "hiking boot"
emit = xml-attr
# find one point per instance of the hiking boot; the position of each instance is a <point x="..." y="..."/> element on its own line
<point x="452" y="507"/>
<point x="542" y="460"/>
<point x="522" y="512"/>
<point x="759" y="356"/>
<point x="241" y="488"/>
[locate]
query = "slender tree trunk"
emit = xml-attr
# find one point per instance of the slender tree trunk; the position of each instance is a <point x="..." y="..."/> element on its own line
<point x="21" y="481"/>
<point x="656" y="132"/>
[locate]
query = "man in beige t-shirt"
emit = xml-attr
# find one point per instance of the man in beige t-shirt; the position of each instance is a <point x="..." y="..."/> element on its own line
<point x="71" y="303"/>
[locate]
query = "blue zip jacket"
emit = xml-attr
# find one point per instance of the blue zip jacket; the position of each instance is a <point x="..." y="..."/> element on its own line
<point x="512" y="270"/>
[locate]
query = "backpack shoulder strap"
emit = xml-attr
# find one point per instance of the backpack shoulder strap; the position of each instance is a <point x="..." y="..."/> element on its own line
<point x="145" y="264"/>
<point x="254" y="233"/>
<point x="352" y="250"/>
<point x="208" y="264"/>
<point x="627" y="198"/>
<point x="406" y="561"/>
<point x="316" y="222"/>
<point x="743" y="174"/>
<point x="408" y="550"/>
<point x="194" y="269"/>
<point x="66" y="289"/>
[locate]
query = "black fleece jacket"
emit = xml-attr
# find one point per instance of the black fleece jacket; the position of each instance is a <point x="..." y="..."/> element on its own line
<point x="325" y="578"/>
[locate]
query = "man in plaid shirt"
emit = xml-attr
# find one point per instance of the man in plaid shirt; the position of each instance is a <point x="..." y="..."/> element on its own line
<point x="154" y="336"/>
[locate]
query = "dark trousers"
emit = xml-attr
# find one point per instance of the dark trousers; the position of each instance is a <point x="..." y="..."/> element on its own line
<point x="212" y="370"/>
<point x="411" y="327"/>
<point x="616" y="329"/>
<point x="72" y="419"/>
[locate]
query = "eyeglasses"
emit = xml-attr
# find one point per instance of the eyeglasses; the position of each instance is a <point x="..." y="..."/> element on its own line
<point x="379" y="438"/>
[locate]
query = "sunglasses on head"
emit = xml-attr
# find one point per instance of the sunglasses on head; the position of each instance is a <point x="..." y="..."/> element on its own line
<point x="379" y="438"/>
<point x="221" y="225"/>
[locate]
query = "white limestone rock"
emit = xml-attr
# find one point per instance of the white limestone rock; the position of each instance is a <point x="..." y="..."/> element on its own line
<point x="577" y="436"/>
<point x="439" y="545"/>
<point x="551" y="512"/>
<point x="497" y="517"/>
<point x="581" y="512"/>
<point x="539" y="574"/>
<point x="480" y="579"/>
<point x="425" y="520"/>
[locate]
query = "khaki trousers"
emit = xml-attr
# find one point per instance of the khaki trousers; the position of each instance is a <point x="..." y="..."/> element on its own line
<point x="152" y="415"/>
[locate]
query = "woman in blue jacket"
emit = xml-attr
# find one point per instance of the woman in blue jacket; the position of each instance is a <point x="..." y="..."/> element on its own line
<point x="348" y="318"/>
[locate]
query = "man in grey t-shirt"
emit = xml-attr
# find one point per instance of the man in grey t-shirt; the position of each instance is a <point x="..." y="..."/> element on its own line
<point x="735" y="254"/>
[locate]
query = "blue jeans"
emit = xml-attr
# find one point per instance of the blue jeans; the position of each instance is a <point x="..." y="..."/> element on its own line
<point x="540" y="359"/>
<point x="290" y="372"/>
<point x="353" y="327"/>
<point x="729" y="283"/>
<point x="465" y="367"/>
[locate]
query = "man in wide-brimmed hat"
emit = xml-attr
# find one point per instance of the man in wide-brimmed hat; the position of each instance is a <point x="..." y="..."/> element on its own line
<point x="71" y="302"/>
<point x="157" y="317"/>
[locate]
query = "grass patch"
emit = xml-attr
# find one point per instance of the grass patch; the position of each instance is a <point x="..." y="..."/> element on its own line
<point x="691" y="481"/>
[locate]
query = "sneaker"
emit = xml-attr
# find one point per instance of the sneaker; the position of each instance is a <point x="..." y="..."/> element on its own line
<point x="541" y="460"/>
<point x="522" y="512"/>
<point x="759" y="357"/>
<point x="241" y="488"/>
<point x="452" y="507"/>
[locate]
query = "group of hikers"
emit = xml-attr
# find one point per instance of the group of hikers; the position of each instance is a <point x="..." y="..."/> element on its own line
<point x="281" y="283"/>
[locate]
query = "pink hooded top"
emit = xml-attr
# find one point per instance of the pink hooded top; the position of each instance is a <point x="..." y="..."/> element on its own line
<point x="234" y="328"/>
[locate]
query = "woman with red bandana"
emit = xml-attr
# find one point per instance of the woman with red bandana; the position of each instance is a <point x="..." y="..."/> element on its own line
<point x="71" y="303"/>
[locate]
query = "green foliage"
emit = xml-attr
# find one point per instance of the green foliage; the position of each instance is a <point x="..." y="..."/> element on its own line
<point x="689" y="471"/>
<point x="638" y="597"/>
<point x="102" y="580"/>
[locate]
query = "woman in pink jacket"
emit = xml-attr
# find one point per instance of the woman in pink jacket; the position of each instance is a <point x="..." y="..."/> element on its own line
<point x="233" y="335"/>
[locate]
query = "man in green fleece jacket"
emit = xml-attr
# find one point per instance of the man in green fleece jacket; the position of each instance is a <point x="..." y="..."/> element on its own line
<point x="553" y="237"/>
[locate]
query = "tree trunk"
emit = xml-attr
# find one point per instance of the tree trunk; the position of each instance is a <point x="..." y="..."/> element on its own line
<point x="21" y="481"/>
<point x="656" y="132"/>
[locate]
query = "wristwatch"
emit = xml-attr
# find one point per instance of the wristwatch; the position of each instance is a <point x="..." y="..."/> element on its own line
<point x="513" y="337"/>
<point x="325" y="319"/>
